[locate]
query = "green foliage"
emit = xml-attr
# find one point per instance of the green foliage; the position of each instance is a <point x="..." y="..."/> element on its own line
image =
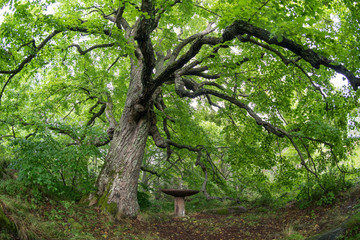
<point x="143" y="200"/>
<point x="327" y="199"/>
<point x="49" y="128"/>
<point x="55" y="168"/>
<point x="265" y="199"/>
<point x="6" y="225"/>
<point x="295" y="236"/>
<point x="13" y="187"/>
<point x="322" y="192"/>
<point x="352" y="228"/>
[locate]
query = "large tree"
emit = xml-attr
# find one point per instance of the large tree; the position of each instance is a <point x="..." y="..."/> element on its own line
<point x="267" y="61"/>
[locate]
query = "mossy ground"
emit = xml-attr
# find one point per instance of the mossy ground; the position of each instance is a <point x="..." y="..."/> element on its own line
<point x="57" y="219"/>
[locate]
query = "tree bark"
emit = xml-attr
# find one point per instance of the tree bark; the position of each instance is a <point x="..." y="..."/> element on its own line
<point x="118" y="180"/>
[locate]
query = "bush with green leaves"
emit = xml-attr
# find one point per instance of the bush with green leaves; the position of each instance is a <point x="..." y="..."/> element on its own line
<point x="56" y="168"/>
<point x="321" y="191"/>
<point x="13" y="187"/>
<point x="143" y="200"/>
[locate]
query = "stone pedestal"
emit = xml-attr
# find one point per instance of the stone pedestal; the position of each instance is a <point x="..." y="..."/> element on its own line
<point x="179" y="206"/>
<point x="179" y="201"/>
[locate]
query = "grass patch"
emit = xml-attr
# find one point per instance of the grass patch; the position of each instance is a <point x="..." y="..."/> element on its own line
<point x="290" y="233"/>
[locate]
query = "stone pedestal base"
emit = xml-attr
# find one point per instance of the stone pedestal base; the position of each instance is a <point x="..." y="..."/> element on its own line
<point x="179" y="206"/>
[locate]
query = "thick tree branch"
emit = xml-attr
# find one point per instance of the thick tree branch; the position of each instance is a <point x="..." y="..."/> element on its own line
<point x="180" y="86"/>
<point x="175" y="53"/>
<point x="200" y="73"/>
<point x="107" y="107"/>
<point x="182" y="92"/>
<point x="184" y="59"/>
<point x="240" y="27"/>
<point x="180" y="89"/>
<point x="206" y="83"/>
<point x="164" y="143"/>
<point x="144" y="28"/>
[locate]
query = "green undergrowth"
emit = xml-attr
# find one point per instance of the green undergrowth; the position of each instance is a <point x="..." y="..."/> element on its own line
<point x="29" y="224"/>
<point x="352" y="228"/>
<point x="29" y="213"/>
<point x="59" y="220"/>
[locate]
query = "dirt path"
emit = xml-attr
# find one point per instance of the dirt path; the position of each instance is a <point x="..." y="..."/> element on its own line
<point x="254" y="225"/>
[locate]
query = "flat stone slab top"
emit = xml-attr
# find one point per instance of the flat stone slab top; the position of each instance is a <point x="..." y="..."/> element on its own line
<point x="179" y="192"/>
<point x="179" y="201"/>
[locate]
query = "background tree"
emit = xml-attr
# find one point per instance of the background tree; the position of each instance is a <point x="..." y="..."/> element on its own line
<point x="134" y="67"/>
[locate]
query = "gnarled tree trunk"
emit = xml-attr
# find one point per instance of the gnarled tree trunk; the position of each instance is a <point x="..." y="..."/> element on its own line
<point x="117" y="183"/>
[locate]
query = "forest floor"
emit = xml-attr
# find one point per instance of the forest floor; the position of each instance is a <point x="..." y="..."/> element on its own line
<point x="64" y="220"/>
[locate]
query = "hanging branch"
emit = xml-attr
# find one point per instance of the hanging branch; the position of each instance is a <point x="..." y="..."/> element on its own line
<point x="25" y="61"/>
<point x="203" y="187"/>
<point x="287" y="62"/>
<point x="180" y="88"/>
<point x="165" y="143"/>
<point x="38" y="49"/>
<point x="240" y="27"/>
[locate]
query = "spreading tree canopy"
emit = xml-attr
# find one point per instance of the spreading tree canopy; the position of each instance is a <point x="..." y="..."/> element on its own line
<point x="245" y="82"/>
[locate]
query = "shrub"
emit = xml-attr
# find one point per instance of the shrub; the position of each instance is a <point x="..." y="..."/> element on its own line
<point x="143" y="200"/>
<point x="55" y="168"/>
<point x="13" y="187"/>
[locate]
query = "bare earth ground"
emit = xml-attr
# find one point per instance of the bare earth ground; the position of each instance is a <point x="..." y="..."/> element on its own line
<point x="258" y="223"/>
<point x="252" y="225"/>
<point x="83" y="222"/>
